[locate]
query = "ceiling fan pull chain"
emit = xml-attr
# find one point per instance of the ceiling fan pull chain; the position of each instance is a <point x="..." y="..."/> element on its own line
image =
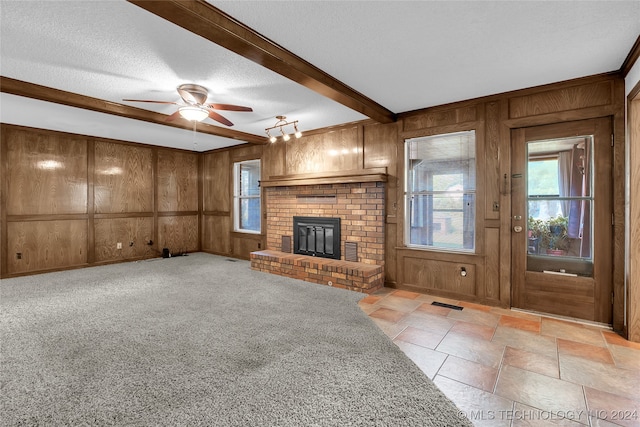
<point x="195" y="143"/>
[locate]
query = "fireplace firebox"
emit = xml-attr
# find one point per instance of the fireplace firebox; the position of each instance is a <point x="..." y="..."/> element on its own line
<point x="316" y="236"/>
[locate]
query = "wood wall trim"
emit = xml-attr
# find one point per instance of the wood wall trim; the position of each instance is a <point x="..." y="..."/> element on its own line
<point x="633" y="279"/>
<point x="356" y="172"/>
<point x="360" y="175"/>
<point x="99" y="139"/>
<point x="594" y="79"/>
<point x="45" y="217"/>
<point x="631" y="58"/>
<point x="200" y="199"/>
<point x="123" y="215"/>
<point x="177" y="213"/>
<point x="217" y="213"/>
<point x="91" y="206"/>
<point x="251" y="236"/>
<point x="207" y="21"/>
<point x="619" y="178"/>
<point x="414" y="252"/>
<point x="4" y="191"/>
<point x="44" y="93"/>
<point x="564" y="116"/>
<point x="320" y="181"/>
<point x="154" y="198"/>
<point x="634" y="92"/>
<point x="570" y="98"/>
<point x="439" y="130"/>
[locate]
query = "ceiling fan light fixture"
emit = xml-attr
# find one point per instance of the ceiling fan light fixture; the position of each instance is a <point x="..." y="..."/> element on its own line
<point x="193" y="113"/>
<point x="194" y="107"/>
<point x="280" y="125"/>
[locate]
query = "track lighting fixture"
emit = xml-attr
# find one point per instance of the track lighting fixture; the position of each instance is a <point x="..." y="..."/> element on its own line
<point x="281" y="124"/>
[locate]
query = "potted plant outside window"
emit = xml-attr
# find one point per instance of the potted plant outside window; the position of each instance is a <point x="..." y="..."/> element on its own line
<point x="554" y="236"/>
<point x="535" y="230"/>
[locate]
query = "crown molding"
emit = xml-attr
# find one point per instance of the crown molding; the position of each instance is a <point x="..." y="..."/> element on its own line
<point x="631" y="58"/>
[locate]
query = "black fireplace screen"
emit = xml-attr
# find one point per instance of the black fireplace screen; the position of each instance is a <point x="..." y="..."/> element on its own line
<point x="316" y="236"/>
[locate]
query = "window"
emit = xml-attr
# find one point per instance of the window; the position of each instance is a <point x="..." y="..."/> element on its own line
<point x="246" y="196"/>
<point x="560" y="202"/>
<point x="440" y="191"/>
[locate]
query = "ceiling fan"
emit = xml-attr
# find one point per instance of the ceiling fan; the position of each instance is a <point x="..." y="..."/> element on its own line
<point x="195" y="107"/>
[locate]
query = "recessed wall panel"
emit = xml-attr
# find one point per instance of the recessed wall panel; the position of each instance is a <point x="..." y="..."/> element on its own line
<point x="177" y="181"/>
<point x="440" y="275"/>
<point x="123" y="178"/>
<point x="338" y="150"/>
<point x="216" y="236"/>
<point x="132" y="233"/>
<point x="178" y="233"/>
<point x="46" y="173"/>
<point x="45" y="245"/>
<point x="216" y="182"/>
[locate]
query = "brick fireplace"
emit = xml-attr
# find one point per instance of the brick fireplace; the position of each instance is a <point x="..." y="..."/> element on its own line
<point x="360" y="207"/>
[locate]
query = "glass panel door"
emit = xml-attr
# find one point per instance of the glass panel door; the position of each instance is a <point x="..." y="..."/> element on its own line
<point x="560" y="205"/>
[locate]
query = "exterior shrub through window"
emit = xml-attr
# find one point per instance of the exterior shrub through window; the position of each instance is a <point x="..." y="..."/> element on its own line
<point x="246" y="196"/>
<point x="440" y="191"/>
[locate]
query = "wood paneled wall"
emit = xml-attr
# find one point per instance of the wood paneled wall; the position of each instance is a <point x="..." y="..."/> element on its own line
<point x="218" y="236"/>
<point x="368" y="145"/>
<point x="68" y="200"/>
<point x="493" y="118"/>
<point x="107" y="192"/>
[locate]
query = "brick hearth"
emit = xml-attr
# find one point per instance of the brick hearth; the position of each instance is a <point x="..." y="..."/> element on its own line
<point x="360" y="207"/>
<point x="354" y="276"/>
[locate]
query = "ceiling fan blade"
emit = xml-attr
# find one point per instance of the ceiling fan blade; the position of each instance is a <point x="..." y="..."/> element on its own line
<point x="147" y="100"/>
<point x="229" y="107"/>
<point x="172" y="117"/>
<point x="218" y="118"/>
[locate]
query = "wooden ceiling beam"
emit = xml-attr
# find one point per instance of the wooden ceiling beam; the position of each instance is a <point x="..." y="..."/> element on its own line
<point x="203" y="19"/>
<point x="44" y="93"/>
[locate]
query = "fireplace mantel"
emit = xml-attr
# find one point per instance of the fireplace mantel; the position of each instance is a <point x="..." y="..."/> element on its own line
<point x="340" y="177"/>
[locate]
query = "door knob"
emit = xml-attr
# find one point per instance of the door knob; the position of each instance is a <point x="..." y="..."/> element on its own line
<point x="517" y="228"/>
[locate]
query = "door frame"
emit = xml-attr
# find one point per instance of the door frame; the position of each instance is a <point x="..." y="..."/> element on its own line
<point x="602" y="309"/>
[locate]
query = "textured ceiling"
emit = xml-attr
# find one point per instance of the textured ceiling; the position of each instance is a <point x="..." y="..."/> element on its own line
<point x="402" y="55"/>
<point x="408" y="55"/>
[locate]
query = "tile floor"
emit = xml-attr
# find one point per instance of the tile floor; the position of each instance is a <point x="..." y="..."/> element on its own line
<point x="509" y="368"/>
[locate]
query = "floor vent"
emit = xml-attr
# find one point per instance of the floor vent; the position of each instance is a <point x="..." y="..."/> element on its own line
<point x="451" y="306"/>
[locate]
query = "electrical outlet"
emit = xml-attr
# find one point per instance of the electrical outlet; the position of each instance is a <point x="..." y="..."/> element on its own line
<point x="119" y="245"/>
<point x="18" y="255"/>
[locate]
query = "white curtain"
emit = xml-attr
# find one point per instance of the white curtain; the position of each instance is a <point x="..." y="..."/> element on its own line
<point x="564" y="179"/>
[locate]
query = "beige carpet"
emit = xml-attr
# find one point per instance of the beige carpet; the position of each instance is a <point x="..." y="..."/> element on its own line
<point x="201" y="340"/>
